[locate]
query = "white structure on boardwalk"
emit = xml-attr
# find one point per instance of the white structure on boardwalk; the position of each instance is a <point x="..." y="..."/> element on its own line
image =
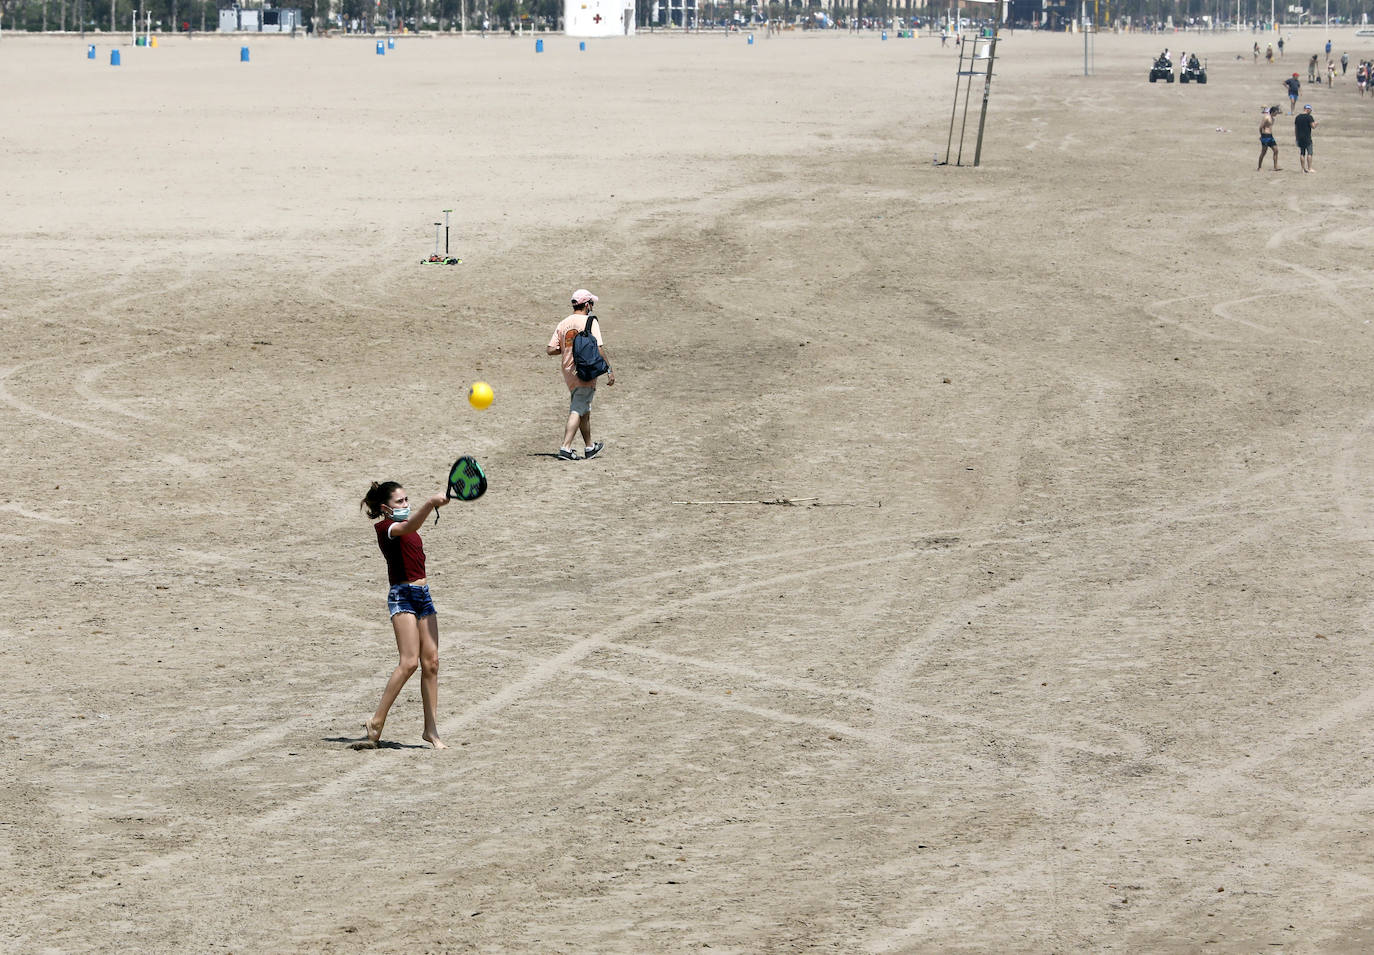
<point x="599" y="17"/>
<point x="262" y="20"/>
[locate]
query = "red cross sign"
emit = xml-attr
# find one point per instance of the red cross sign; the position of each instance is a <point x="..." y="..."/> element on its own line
<point x="597" y="18"/>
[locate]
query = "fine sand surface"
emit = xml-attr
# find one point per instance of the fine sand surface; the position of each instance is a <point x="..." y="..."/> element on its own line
<point x="1094" y="677"/>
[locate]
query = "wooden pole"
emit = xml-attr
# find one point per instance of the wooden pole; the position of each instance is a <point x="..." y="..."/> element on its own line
<point x="954" y="111"/>
<point x="968" y="94"/>
<point x="987" y="88"/>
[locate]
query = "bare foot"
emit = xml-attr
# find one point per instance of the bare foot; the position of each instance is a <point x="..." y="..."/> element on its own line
<point x="374" y="730"/>
<point x="433" y="740"/>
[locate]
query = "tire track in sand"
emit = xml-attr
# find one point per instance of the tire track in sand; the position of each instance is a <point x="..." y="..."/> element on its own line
<point x="105" y="314"/>
<point x="1018" y="870"/>
<point x="538" y="674"/>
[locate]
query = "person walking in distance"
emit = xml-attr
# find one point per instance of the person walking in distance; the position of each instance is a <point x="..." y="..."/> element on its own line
<point x="1267" y="141"/>
<point x="580" y="392"/>
<point x="1302" y="127"/>
<point x="1292" y="85"/>
<point x="1345" y="61"/>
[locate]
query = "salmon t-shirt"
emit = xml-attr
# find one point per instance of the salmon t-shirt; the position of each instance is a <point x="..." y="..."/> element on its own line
<point x="563" y="337"/>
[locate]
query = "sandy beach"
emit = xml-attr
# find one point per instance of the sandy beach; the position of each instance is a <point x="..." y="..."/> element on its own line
<point x="1063" y="646"/>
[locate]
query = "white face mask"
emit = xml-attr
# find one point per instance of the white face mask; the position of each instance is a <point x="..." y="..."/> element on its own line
<point x="400" y="513"/>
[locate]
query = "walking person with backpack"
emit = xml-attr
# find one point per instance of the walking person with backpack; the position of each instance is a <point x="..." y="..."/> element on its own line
<point x="577" y="340"/>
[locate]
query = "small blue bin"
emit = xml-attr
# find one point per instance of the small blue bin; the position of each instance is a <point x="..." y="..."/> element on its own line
<point x="243" y="54"/>
<point x="751" y="39"/>
<point x="114" y="57"/>
<point x="381" y="48"/>
<point x="884" y="34"/>
<point x="90" y="51"/>
<point x="391" y="43"/>
<point x="539" y="46"/>
<point x="582" y="46"/>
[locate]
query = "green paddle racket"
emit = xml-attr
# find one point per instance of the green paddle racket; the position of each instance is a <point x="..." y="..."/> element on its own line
<point x="466" y="481"/>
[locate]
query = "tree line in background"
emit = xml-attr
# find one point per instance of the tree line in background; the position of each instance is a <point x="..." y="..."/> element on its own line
<point x="440" y="15"/>
<point x="200" y="15"/>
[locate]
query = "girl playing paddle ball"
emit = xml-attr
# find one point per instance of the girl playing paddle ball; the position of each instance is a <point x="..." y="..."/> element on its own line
<point x="413" y="617"/>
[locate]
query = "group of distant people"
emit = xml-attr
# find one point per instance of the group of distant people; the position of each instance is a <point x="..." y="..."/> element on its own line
<point x="1305" y="122"/>
<point x="1364" y="75"/>
<point x="1314" y="68"/>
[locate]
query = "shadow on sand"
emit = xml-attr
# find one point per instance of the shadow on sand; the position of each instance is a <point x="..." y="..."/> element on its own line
<point x="365" y="743"/>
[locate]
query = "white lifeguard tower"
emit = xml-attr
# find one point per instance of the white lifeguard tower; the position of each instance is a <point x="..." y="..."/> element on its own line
<point x="599" y="17"/>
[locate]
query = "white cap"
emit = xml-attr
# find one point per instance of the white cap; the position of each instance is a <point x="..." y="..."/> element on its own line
<point x="582" y="297"/>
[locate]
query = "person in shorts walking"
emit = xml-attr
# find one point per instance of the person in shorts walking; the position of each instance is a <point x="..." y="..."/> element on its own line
<point x="1292" y="85"/>
<point x="580" y="392"/>
<point x="1267" y="140"/>
<point x="1302" y="127"/>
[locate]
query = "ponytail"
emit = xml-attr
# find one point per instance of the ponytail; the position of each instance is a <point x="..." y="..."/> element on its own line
<point x="376" y="496"/>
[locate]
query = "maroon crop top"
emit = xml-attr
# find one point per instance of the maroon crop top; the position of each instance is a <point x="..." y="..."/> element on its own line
<point x="405" y="554"/>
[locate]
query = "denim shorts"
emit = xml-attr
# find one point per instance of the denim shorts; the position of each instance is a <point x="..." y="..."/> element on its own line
<point x="408" y="598"/>
<point x="580" y="402"/>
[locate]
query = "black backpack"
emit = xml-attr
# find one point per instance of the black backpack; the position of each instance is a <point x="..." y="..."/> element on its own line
<point x="587" y="359"/>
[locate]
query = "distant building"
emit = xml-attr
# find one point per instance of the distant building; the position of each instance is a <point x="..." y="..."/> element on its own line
<point x="599" y="17"/>
<point x="1045" y="14"/>
<point x="266" y="20"/>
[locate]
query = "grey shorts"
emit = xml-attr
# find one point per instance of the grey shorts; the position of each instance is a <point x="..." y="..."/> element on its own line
<point x="581" y="401"/>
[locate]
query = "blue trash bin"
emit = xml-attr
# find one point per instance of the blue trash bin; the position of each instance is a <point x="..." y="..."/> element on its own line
<point x="381" y="48"/>
<point x="751" y="39"/>
<point x="114" y="57"/>
<point x="391" y="43"/>
<point x="90" y="51"/>
<point x="539" y="46"/>
<point x="243" y="54"/>
<point x="582" y="46"/>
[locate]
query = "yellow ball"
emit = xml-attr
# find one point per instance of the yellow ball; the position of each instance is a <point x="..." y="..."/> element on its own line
<point x="479" y="395"/>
